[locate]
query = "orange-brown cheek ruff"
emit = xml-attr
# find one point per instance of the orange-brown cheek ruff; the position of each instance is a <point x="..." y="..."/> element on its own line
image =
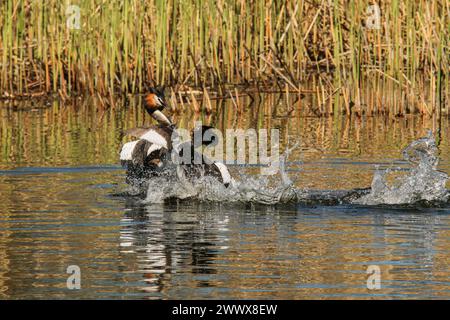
<point x="154" y="109"/>
<point x="150" y="102"/>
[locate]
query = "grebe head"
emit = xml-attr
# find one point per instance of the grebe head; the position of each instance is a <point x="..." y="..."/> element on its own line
<point x="155" y="99"/>
<point x="154" y="103"/>
<point x="204" y="135"/>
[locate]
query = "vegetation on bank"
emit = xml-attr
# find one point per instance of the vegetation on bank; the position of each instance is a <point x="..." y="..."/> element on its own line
<point x="124" y="46"/>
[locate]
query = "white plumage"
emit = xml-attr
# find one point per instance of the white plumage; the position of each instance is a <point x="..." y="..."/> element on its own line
<point x="226" y="176"/>
<point x="154" y="137"/>
<point x="127" y="150"/>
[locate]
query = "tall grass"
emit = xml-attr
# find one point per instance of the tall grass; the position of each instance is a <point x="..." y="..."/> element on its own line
<point x="123" y="46"/>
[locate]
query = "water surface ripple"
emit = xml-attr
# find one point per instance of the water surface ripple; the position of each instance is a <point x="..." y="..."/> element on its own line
<point x="60" y="205"/>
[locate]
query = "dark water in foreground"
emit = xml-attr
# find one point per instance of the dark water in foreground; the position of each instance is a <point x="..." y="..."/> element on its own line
<point x="58" y="207"/>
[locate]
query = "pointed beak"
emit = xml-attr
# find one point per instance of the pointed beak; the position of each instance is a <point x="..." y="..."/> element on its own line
<point x="161" y="118"/>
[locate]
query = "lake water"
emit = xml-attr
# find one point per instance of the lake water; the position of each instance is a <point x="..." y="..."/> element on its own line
<point x="62" y="204"/>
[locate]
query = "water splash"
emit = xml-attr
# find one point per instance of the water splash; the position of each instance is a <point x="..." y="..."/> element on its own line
<point x="254" y="189"/>
<point x="422" y="183"/>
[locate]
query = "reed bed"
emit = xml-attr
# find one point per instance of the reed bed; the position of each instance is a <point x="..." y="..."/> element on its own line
<point x="227" y="47"/>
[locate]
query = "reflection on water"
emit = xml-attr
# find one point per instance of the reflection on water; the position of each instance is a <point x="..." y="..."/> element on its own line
<point x="59" y="174"/>
<point x="287" y="253"/>
<point x="78" y="134"/>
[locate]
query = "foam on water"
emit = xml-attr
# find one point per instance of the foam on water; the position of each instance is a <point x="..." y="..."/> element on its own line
<point x="422" y="182"/>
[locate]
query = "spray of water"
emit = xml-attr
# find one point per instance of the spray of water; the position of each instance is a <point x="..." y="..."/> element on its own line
<point x="423" y="182"/>
<point x="255" y="189"/>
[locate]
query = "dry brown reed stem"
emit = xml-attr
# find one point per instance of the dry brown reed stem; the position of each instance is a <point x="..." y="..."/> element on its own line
<point x="126" y="46"/>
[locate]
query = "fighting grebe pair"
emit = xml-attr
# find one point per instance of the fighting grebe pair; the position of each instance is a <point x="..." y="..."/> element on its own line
<point x="150" y="155"/>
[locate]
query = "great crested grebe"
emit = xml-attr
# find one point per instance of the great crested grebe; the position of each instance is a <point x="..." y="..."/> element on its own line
<point x="150" y="154"/>
<point x="146" y="156"/>
<point x="197" y="164"/>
